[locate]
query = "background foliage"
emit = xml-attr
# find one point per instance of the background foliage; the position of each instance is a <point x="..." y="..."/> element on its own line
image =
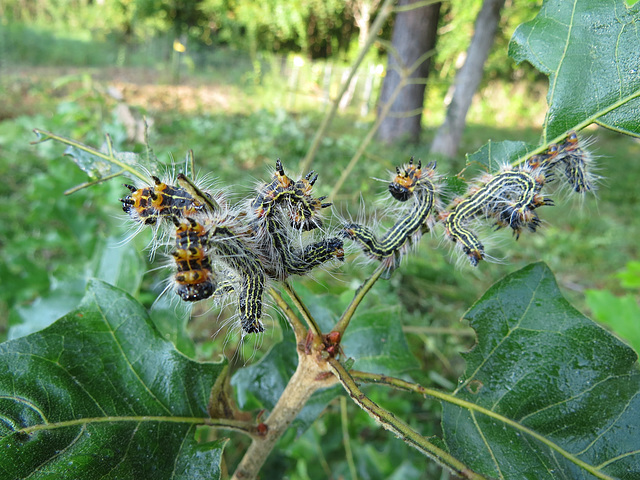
<point x="238" y="110"/>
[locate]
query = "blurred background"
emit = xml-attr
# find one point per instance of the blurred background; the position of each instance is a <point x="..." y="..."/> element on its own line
<point x="243" y="83"/>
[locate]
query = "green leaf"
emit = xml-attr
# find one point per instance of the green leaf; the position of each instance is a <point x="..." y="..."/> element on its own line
<point x="376" y="342"/>
<point x="621" y="314"/>
<point x="494" y="155"/>
<point x="562" y="396"/>
<point x="630" y="276"/>
<point x="589" y="50"/>
<point x="99" y="394"/>
<point x="95" y="167"/>
<point x="114" y="262"/>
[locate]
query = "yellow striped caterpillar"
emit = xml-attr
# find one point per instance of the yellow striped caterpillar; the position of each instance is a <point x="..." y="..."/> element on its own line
<point x="236" y="254"/>
<point x="410" y="181"/>
<point x="510" y="198"/>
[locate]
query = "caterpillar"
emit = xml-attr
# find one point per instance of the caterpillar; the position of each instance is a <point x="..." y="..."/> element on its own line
<point x="410" y="181"/>
<point x="148" y="204"/>
<point x="235" y="253"/>
<point x="297" y="261"/>
<point x="509" y="197"/>
<point x="576" y="159"/>
<point x="194" y="277"/>
<point x="295" y="195"/>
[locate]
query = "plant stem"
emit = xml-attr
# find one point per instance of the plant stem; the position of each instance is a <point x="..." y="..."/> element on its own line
<point x="344" y="420"/>
<point x="389" y="421"/>
<point x="383" y="13"/>
<point x="343" y="323"/>
<point x="460" y="332"/>
<point x="299" y="329"/>
<point x="445" y="397"/>
<point x="313" y="326"/>
<point x="310" y="375"/>
<point x="109" y="158"/>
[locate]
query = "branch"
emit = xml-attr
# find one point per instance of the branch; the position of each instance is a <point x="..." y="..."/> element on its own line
<point x="389" y="421"/>
<point x="343" y="323"/>
<point x="73" y="143"/>
<point x="313" y="326"/>
<point x="445" y="397"/>
<point x="299" y="329"/>
<point x="310" y="375"/>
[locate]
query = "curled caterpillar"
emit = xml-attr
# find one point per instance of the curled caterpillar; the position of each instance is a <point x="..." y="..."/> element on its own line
<point x="510" y="198"/>
<point x="577" y="162"/>
<point x="411" y="181"/>
<point x="291" y="196"/>
<point x="300" y="261"/>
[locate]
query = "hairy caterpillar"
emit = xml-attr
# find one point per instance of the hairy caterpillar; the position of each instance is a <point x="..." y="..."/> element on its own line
<point x="148" y="204"/>
<point x="235" y="253"/>
<point x="576" y="159"/>
<point x="410" y="181"/>
<point x="194" y="277"/>
<point x="298" y="261"/>
<point x="510" y="197"/>
<point x="295" y="196"/>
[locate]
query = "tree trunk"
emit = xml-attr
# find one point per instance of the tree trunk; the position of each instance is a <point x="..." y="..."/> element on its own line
<point x="414" y="34"/>
<point x="468" y="78"/>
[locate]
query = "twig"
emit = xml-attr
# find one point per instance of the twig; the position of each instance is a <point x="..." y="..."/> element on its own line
<point x="445" y="397"/>
<point x="389" y="421"/>
<point x="460" y="332"/>
<point x="344" y="419"/>
<point x="299" y="329"/>
<point x="73" y="143"/>
<point x="342" y="324"/>
<point x="313" y="326"/>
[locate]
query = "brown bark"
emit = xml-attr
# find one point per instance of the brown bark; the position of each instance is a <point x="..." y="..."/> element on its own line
<point x="414" y="33"/>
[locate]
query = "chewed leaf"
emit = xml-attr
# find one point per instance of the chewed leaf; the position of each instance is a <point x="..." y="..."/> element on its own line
<point x="565" y="393"/>
<point x="100" y="392"/>
<point x="589" y="50"/>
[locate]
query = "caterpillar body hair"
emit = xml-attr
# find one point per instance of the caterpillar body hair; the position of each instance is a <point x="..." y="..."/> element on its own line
<point x="149" y="204"/>
<point x="574" y="160"/>
<point x="410" y="181"/>
<point x="578" y="163"/>
<point x="510" y="198"/>
<point x="233" y="251"/>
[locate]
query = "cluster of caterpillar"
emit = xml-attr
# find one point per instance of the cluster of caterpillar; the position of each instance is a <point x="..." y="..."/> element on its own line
<point x="508" y="198"/>
<point x="218" y="250"/>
